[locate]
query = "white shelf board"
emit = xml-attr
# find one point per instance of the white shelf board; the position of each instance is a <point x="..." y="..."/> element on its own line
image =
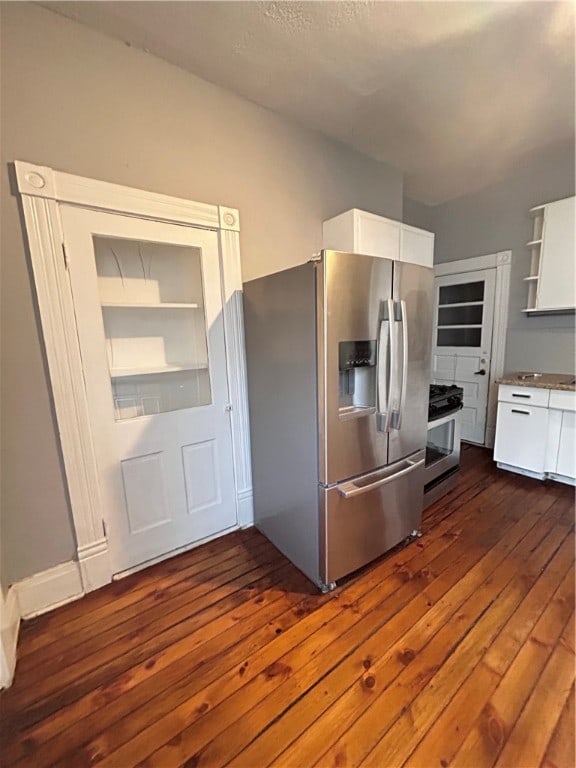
<point x="458" y="326"/>
<point x="534" y="243"/>
<point x="551" y="311"/>
<point x="120" y="373"/>
<point x="531" y="278"/>
<point x="461" y="304"/>
<point x="150" y="305"/>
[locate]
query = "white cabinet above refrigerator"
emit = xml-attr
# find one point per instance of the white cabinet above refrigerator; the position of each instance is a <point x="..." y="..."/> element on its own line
<point x="357" y="231"/>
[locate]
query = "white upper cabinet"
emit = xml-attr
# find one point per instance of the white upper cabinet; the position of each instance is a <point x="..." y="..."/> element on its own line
<point x="552" y="279"/>
<point x="357" y="231"/>
<point x="417" y="246"/>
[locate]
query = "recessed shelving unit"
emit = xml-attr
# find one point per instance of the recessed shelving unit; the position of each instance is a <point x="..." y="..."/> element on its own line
<point x="152" y="302"/>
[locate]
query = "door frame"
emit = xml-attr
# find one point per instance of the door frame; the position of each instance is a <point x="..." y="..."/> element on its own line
<point x="41" y="190"/>
<point x="502" y="263"/>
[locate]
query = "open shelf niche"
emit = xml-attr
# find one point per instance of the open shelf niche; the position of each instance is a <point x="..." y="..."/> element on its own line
<point x="534" y="247"/>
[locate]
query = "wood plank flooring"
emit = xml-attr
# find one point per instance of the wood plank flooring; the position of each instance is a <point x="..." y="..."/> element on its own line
<point x="457" y="649"/>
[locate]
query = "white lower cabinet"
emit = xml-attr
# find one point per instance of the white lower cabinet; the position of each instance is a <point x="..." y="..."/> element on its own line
<point x="566" y="464"/>
<point x="536" y="440"/>
<point x="521" y="436"/>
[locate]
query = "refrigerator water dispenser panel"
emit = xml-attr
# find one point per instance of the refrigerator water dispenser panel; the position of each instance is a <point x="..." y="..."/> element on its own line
<point x="357" y="377"/>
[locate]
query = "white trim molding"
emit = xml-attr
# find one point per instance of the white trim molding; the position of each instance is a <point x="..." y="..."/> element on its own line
<point x="42" y="190"/>
<point x="237" y="376"/>
<point x="9" y="626"/>
<point x="502" y="263"/>
<point x="467" y="265"/>
<point x="499" y="329"/>
<point x="40" y="181"/>
<point x="49" y="589"/>
<point x="54" y="299"/>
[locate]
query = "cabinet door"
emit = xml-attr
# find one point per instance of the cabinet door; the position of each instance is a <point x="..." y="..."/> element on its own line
<point x="556" y="286"/>
<point x="567" y="449"/>
<point x="521" y="435"/>
<point x="377" y="236"/>
<point x="417" y="246"/>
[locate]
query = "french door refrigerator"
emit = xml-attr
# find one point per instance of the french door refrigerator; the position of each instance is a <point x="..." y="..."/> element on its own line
<point x="338" y="353"/>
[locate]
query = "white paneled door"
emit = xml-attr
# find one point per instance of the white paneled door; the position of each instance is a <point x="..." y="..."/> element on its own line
<point x="148" y="303"/>
<point x="462" y="342"/>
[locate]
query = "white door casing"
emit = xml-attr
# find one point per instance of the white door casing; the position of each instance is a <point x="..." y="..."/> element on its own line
<point x="501" y="264"/>
<point x="42" y="191"/>
<point x="162" y="438"/>
<point x="462" y="342"/>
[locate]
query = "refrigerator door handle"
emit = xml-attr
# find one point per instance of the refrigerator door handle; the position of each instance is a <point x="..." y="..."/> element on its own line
<point x="350" y="489"/>
<point x="384" y="373"/>
<point x="398" y="416"/>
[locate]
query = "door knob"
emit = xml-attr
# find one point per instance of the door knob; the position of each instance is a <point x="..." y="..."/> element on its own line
<point x="481" y="372"/>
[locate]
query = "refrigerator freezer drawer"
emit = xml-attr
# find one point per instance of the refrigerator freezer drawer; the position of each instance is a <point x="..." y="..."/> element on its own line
<point x="363" y="518"/>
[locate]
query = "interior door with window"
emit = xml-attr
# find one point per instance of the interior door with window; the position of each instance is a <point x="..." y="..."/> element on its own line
<point x="148" y="306"/>
<point x="462" y="342"/>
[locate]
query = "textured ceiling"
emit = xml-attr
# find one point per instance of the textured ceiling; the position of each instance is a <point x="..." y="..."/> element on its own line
<point x="452" y="93"/>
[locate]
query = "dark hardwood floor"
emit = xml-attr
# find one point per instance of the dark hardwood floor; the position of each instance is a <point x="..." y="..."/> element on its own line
<point x="455" y="650"/>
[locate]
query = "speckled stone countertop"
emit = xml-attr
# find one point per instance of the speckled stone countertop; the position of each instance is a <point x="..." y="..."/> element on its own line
<point x="565" y="381"/>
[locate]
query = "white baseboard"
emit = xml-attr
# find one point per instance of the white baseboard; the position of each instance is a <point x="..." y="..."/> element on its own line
<point x="9" y="626"/>
<point x="520" y="471"/>
<point x="49" y="589"/>
<point x="245" y="508"/>
<point x="95" y="567"/>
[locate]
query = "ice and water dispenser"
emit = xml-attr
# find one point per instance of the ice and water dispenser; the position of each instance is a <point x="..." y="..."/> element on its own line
<point x="357" y="372"/>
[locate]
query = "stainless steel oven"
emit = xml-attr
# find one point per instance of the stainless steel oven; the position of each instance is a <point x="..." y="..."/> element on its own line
<point x="442" y="456"/>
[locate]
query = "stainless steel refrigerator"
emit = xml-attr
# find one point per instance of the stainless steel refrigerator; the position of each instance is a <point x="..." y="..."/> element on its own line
<point x="338" y="354"/>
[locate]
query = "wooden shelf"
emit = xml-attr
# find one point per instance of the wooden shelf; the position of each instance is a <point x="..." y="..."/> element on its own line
<point x="150" y="305"/>
<point x="120" y="373"/>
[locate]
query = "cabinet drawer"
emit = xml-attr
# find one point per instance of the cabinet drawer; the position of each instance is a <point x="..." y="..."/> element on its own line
<point x="521" y="436"/>
<point x="564" y="401"/>
<point x="526" y="395"/>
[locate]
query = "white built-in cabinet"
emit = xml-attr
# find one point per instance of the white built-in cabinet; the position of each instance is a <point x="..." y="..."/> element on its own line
<point x="552" y="278"/>
<point x="357" y="231"/>
<point x="536" y="432"/>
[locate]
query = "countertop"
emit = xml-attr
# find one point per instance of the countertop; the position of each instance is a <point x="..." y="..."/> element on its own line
<point x="564" y="381"/>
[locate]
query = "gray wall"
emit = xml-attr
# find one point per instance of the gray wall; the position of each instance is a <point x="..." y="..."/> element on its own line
<point x="497" y="219"/>
<point x="81" y="103"/>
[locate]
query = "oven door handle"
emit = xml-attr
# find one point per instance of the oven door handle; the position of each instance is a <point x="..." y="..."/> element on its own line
<point x="350" y="489"/>
<point x="444" y="418"/>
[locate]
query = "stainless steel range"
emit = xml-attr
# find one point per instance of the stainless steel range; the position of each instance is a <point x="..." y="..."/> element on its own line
<point x="443" y="441"/>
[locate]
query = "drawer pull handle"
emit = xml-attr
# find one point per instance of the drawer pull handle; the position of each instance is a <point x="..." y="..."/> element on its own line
<point x="516" y="410"/>
<point x="349" y="489"/>
<point x="514" y="394"/>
